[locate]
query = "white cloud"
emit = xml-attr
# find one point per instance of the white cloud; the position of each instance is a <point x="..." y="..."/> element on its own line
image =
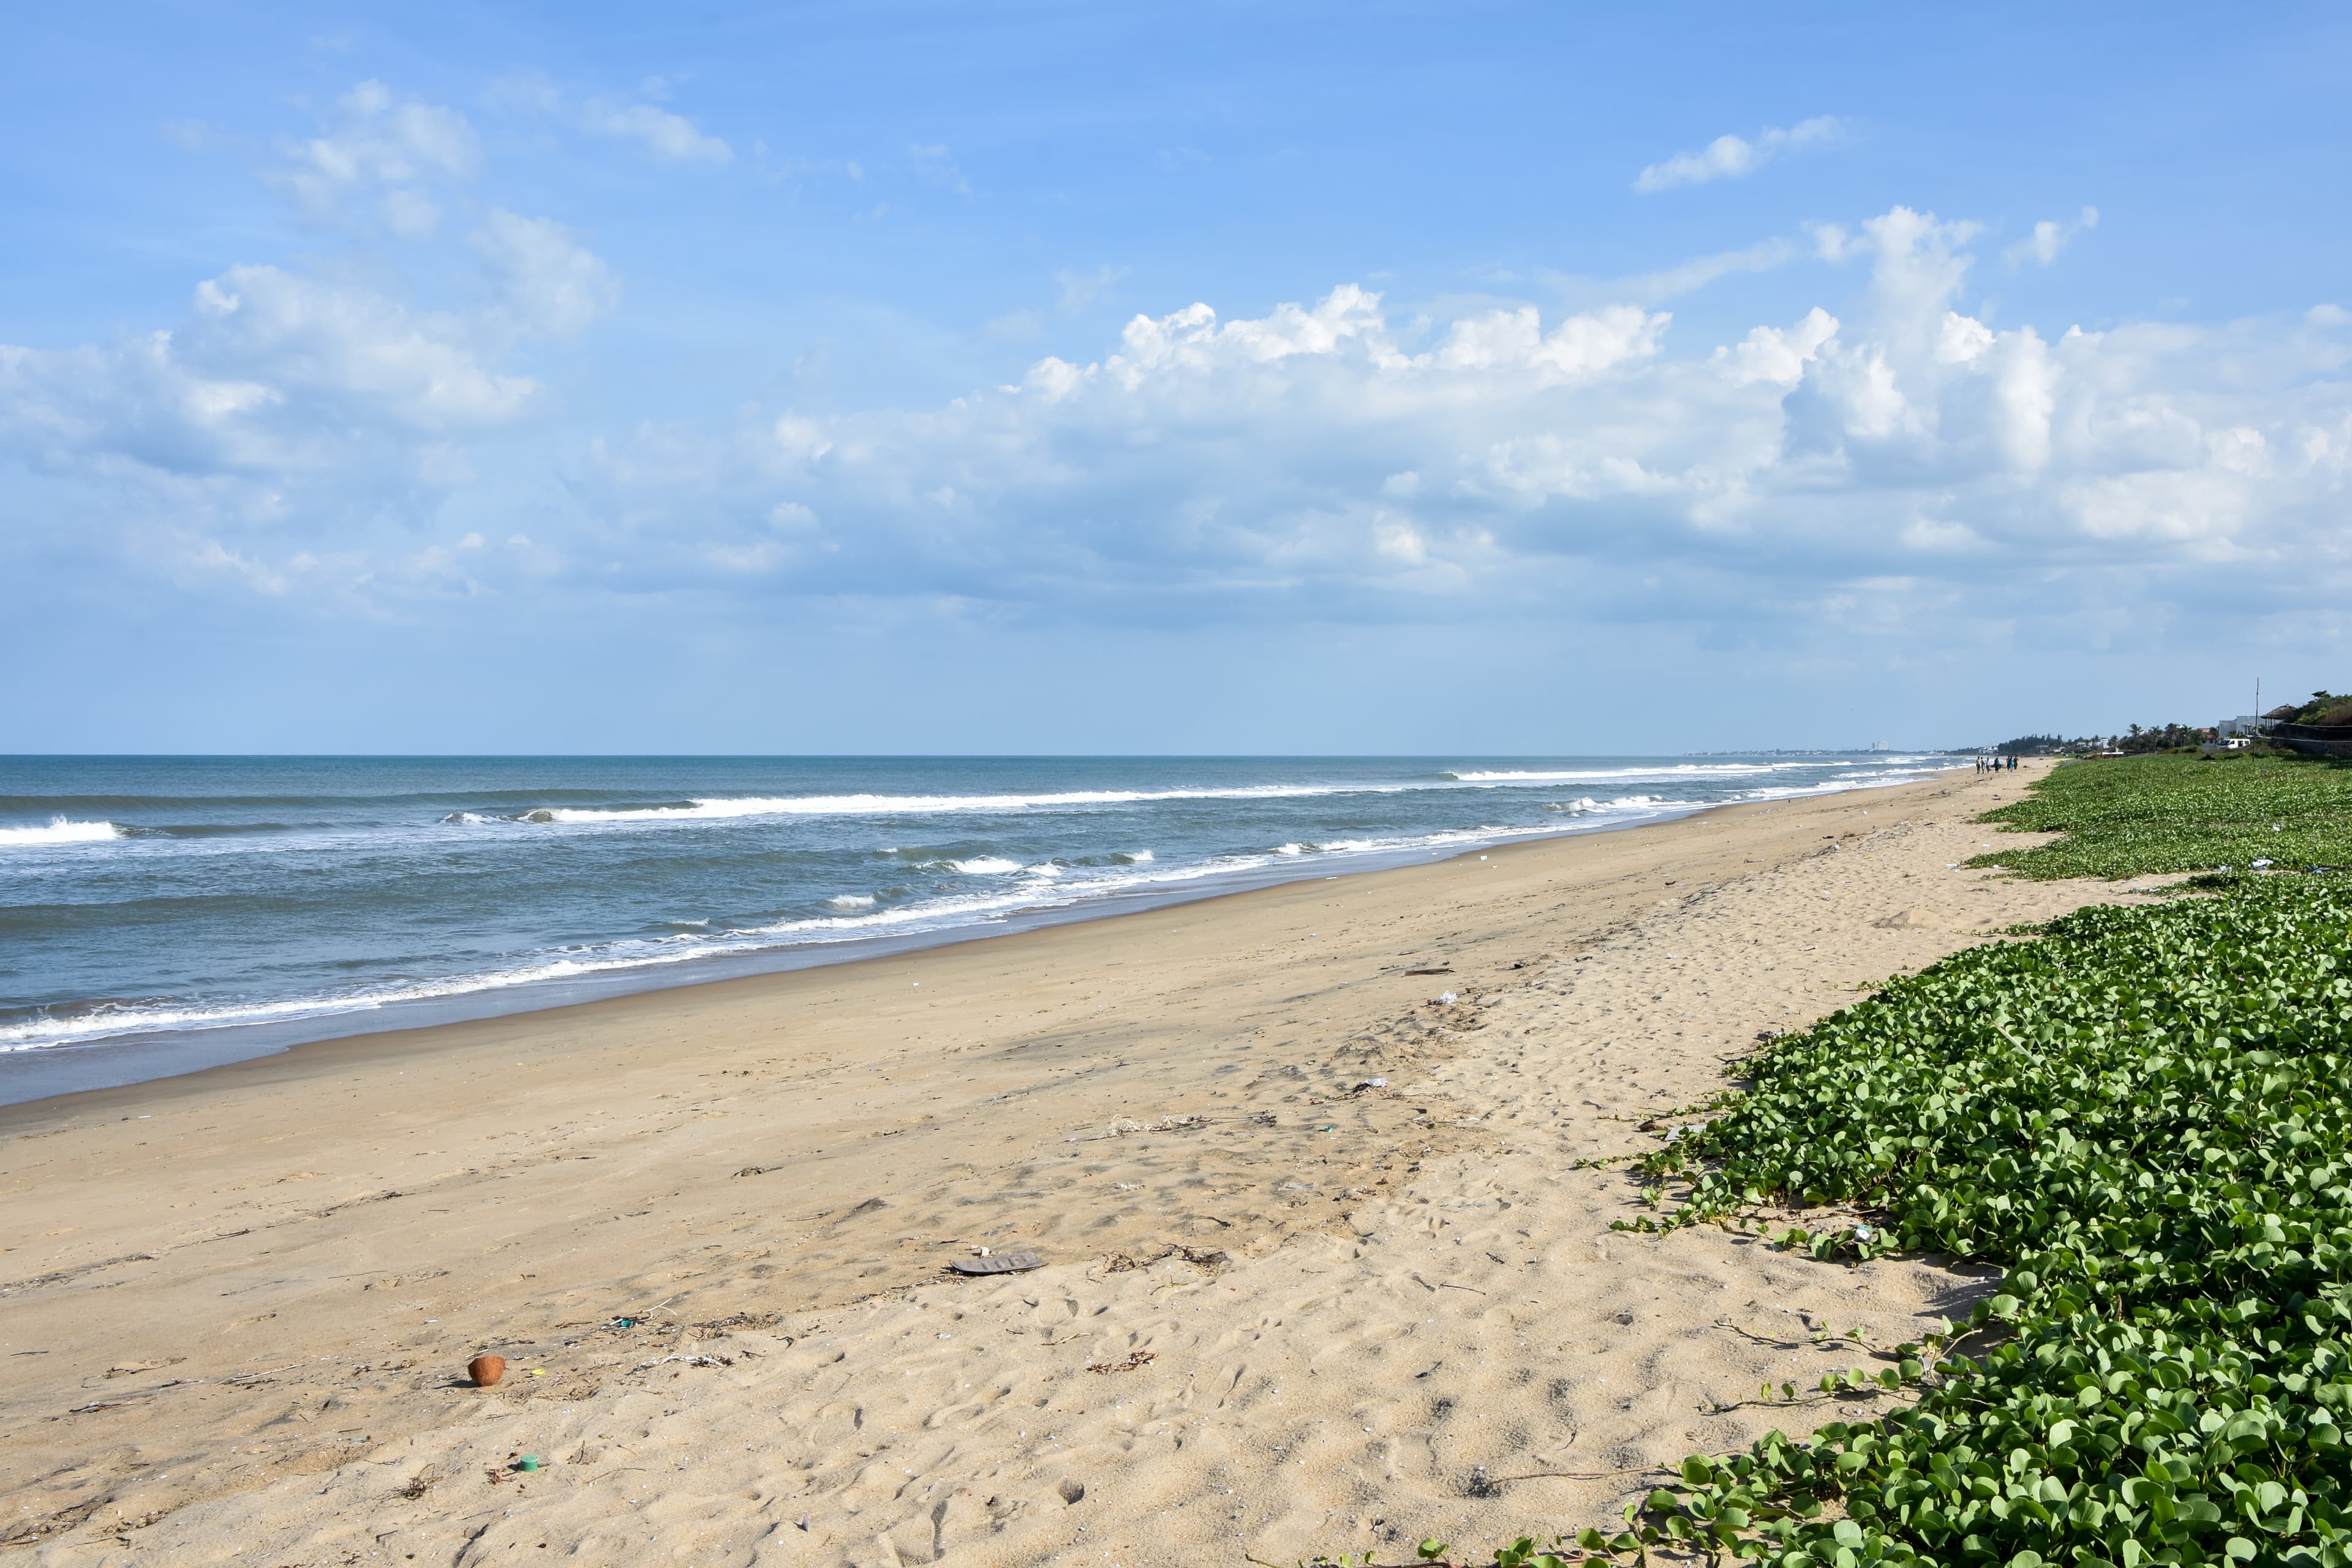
<point x="269" y="371"/>
<point x="1580" y="345"/>
<point x="276" y="375"/>
<point x="411" y="214"/>
<point x="1778" y="354"/>
<point x="377" y="159"/>
<point x="669" y="136"/>
<point x="1734" y="157"/>
<point x="2048" y="237"/>
<point x="338" y="388"/>
<point x="1335" y="458"/>
<point x="672" y="138"/>
<point x="306" y="339"/>
<point x="549" y="282"/>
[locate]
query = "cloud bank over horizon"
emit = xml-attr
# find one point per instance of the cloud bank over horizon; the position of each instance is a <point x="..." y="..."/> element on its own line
<point x="1332" y="459"/>
<point x="1833" y="433"/>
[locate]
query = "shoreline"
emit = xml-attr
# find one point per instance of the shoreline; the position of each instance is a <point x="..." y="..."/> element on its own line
<point x="362" y="1049"/>
<point x="34" y="1076"/>
<point x="1301" y="1164"/>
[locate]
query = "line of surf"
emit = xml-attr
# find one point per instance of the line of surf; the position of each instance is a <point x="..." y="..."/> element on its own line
<point x="1017" y="886"/>
<point x="1039" y="886"/>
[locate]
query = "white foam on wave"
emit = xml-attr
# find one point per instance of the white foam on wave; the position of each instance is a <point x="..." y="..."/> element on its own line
<point x="945" y="913"/>
<point x="100" y="1023"/>
<point x="58" y="831"/>
<point x="728" y="808"/>
<point x="1862" y="779"/>
<point x="1660" y="771"/>
<point x="984" y="866"/>
<point x="720" y="809"/>
<point x="850" y="901"/>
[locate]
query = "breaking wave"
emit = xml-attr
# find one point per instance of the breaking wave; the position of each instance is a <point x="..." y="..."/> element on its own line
<point x="58" y="830"/>
<point x="553" y="900"/>
<point x="720" y="808"/>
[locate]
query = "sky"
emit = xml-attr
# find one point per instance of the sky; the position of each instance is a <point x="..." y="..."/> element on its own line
<point x="1034" y="378"/>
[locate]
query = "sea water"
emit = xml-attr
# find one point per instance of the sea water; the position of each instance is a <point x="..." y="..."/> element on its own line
<point x="158" y="914"/>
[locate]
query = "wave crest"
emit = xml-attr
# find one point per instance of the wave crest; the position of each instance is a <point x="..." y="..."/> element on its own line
<point x="60" y="831"/>
<point x="718" y="808"/>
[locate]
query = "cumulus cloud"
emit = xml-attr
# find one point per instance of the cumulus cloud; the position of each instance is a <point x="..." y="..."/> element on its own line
<point x="254" y="446"/>
<point x="336" y="385"/>
<point x="1341" y="458"/>
<point x="1734" y="157"/>
<point x="276" y="375"/>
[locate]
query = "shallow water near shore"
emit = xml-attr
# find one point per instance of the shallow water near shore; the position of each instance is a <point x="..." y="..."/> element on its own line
<point x="160" y="914"/>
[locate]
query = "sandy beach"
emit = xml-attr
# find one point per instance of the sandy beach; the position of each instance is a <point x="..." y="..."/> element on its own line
<point x="1321" y="1272"/>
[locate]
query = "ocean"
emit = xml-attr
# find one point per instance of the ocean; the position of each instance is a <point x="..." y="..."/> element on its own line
<point x="159" y="914"/>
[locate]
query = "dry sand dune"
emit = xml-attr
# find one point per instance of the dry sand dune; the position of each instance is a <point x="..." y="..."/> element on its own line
<point x="1281" y="1312"/>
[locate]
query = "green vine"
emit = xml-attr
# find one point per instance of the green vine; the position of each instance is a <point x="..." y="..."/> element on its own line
<point x="2144" y="1112"/>
<point x="2136" y="816"/>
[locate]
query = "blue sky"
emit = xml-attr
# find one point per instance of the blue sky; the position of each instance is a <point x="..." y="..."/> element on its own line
<point x="1366" y="378"/>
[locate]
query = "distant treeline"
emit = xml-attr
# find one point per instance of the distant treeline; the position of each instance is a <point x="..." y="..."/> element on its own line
<point x="2324" y="707"/>
<point x="2163" y="738"/>
<point x="2047" y="746"/>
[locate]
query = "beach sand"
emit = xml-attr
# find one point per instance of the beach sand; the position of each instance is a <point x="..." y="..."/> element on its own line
<point x="1280" y="1313"/>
